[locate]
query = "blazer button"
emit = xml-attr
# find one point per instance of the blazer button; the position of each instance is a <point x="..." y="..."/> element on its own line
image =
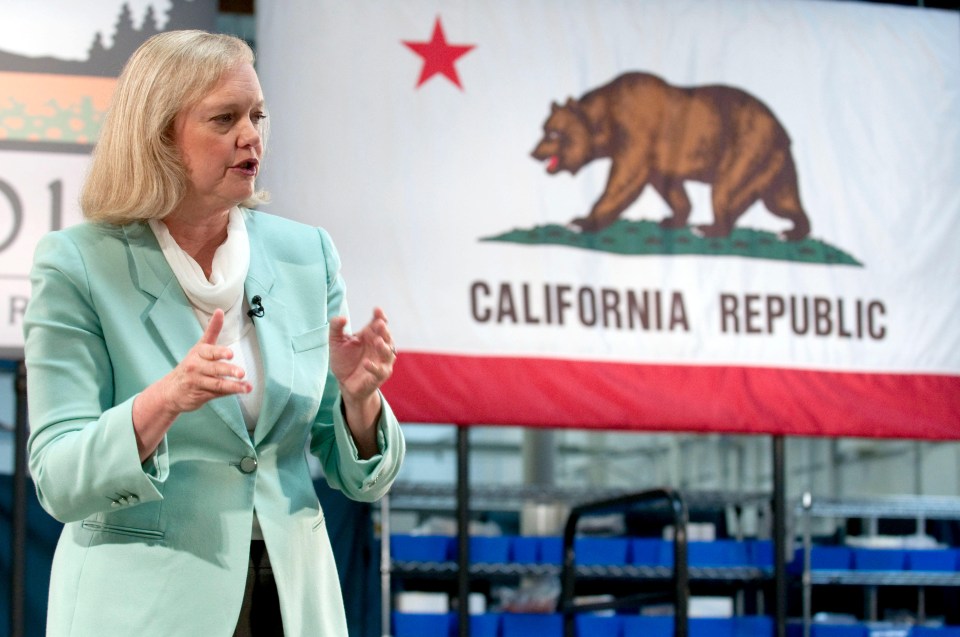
<point x="248" y="464"/>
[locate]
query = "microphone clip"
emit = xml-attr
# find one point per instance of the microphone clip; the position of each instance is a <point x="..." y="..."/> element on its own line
<point x="256" y="307"/>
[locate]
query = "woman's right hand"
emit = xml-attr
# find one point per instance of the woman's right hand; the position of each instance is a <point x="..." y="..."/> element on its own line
<point x="202" y="375"/>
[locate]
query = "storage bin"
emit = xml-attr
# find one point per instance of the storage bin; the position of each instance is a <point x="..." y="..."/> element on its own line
<point x="420" y="548"/>
<point x="711" y="626"/>
<point x="824" y="558"/>
<point x="648" y="551"/>
<point x="717" y="554"/>
<point x="935" y="631"/>
<point x="483" y="625"/>
<point x="662" y="626"/>
<point x="879" y="559"/>
<point x="551" y="550"/>
<point x="489" y="550"/>
<point x="598" y="625"/>
<point x="932" y="559"/>
<point x="760" y="553"/>
<point x="666" y="554"/>
<point x="531" y="625"/>
<point x="647" y="626"/>
<point x="838" y="630"/>
<point x="753" y="626"/>
<point x="831" y="558"/>
<point x="524" y="549"/>
<point x="601" y="550"/>
<point x="419" y="625"/>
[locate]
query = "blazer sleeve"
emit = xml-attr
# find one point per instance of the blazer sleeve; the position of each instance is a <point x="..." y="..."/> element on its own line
<point x="331" y="441"/>
<point x="82" y="449"/>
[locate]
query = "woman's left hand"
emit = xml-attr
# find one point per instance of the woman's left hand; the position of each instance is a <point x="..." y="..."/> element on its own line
<point x="363" y="361"/>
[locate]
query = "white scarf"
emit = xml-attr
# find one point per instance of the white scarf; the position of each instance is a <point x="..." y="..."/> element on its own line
<point x="224" y="288"/>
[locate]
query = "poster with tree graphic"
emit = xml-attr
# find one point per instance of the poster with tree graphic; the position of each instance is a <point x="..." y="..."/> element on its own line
<point x="58" y="64"/>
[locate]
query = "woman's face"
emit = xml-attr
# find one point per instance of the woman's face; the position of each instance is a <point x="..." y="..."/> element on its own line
<point x="219" y="141"/>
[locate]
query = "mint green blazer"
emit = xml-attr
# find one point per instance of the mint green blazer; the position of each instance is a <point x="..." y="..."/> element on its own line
<point x="161" y="548"/>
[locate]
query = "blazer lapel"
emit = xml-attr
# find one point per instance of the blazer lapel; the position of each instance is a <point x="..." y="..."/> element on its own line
<point x="273" y="335"/>
<point x="171" y="315"/>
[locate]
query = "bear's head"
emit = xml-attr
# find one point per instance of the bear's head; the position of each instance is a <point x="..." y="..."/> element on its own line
<point x="567" y="143"/>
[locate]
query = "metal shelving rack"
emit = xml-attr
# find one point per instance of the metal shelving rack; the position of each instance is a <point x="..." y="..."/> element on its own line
<point x="450" y="498"/>
<point x="918" y="508"/>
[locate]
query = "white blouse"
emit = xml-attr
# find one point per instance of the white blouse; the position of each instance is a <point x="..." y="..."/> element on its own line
<point x="224" y="290"/>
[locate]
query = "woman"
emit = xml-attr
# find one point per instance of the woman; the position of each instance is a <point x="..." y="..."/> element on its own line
<point x="182" y="349"/>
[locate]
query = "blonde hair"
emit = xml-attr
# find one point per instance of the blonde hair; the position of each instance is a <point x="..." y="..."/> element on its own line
<point x="136" y="170"/>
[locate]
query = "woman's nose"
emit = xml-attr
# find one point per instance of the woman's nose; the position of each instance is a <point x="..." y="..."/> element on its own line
<point x="249" y="134"/>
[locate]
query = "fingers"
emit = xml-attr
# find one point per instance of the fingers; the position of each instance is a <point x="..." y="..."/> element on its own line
<point x="362" y="361"/>
<point x="338" y="325"/>
<point x="216" y="353"/>
<point x="216" y="376"/>
<point x="212" y="333"/>
<point x="197" y="380"/>
<point x="378" y="326"/>
<point x="378" y="372"/>
<point x="387" y="350"/>
<point x="217" y="386"/>
<point x="226" y="371"/>
<point x="205" y="373"/>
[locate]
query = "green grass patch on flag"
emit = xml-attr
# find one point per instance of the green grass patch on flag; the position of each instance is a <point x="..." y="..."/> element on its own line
<point x="648" y="238"/>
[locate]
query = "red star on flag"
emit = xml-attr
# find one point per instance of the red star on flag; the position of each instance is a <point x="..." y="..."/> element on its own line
<point x="438" y="56"/>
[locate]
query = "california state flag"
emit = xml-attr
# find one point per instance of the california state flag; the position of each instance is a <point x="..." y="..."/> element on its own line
<point x="703" y="215"/>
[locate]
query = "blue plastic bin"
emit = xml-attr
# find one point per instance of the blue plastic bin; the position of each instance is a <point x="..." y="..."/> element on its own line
<point x="420" y="548"/>
<point x="644" y="626"/>
<point x="551" y="550"/>
<point x="530" y="624"/>
<point x="489" y="550"/>
<point x="760" y="553"/>
<point x="711" y="627"/>
<point x="648" y="551"/>
<point x="831" y="558"/>
<point x="666" y="554"/>
<point x="599" y="625"/>
<point x="601" y="550"/>
<point x="838" y="630"/>
<point x="421" y="624"/>
<point x="879" y="559"/>
<point x="932" y="559"/>
<point x="753" y="626"/>
<point x="935" y="631"/>
<point x="716" y="554"/>
<point x="483" y="625"/>
<point x="525" y="550"/>
<point x="824" y="558"/>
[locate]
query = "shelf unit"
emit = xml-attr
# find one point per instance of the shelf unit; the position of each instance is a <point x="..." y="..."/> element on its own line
<point x="871" y="510"/>
<point x="432" y="497"/>
<point x="778" y="512"/>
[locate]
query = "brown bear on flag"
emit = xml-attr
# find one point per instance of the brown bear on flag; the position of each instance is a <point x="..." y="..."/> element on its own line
<point x="663" y="135"/>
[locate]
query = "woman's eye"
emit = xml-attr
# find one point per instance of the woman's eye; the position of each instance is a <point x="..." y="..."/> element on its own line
<point x="225" y="118"/>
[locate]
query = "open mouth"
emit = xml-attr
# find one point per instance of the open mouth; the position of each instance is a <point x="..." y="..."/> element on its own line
<point x="553" y="163"/>
<point x="249" y="166"/>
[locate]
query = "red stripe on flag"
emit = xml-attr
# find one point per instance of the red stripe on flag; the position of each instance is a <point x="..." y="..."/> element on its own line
<point x="439" y="388"/>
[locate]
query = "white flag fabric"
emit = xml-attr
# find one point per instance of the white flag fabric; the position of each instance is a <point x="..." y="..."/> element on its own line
<point x="701" y="215"/>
